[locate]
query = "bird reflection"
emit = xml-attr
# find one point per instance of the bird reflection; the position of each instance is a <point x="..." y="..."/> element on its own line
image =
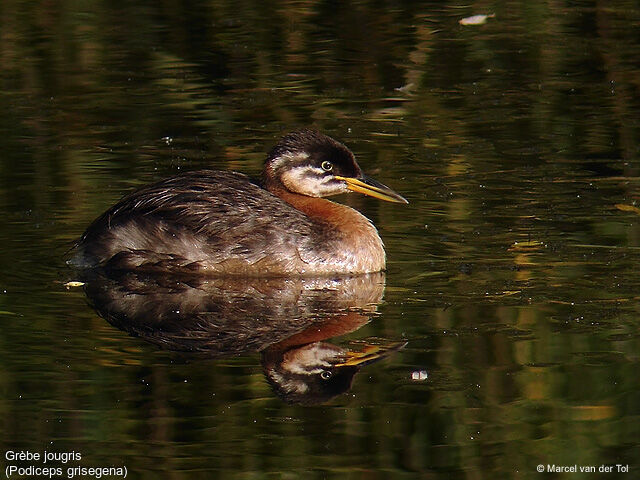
<point x="287" y="320"/>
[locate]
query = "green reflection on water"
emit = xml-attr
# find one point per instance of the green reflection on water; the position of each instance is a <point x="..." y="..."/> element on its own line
<point x="512" y="274"/>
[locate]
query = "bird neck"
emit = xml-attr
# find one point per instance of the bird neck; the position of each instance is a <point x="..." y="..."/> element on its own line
<point x="340" y="216"/>
<point x="359" y="242"/>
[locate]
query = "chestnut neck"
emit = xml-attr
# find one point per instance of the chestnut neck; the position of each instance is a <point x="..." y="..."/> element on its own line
<point x="317" y="208"/>
<point x="359" y="248"/>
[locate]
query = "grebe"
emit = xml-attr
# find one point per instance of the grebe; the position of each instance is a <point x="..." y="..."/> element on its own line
<point x="223" y="223"/>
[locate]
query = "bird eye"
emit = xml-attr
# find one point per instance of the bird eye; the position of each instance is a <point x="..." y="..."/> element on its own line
<point x="327" y="166"/>
<point x="326" y="374"/>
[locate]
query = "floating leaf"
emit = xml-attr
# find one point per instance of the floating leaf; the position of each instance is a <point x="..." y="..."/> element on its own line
<point x="628" y="208"/>
<point x="526" y="246"/>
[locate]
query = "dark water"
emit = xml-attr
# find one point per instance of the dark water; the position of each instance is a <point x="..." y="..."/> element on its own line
<point x="512" y="275"/>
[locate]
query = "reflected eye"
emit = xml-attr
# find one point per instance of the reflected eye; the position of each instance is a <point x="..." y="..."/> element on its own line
<point x="326" y="374"/>
<point x="327" y="166"/>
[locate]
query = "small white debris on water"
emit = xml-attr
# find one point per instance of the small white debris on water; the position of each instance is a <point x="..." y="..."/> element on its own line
<point x="419" y="375"/>
<point x="475" y="19"/>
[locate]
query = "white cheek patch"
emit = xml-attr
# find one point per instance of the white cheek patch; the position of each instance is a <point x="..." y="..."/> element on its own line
<point x="288" y="385"/>
<point x="311" y="181"/>
<point x="288" y="158"/>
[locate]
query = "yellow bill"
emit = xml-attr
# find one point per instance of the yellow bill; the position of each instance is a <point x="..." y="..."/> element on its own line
<point x="373" y="188"/>
<point x="370" y="354"/>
